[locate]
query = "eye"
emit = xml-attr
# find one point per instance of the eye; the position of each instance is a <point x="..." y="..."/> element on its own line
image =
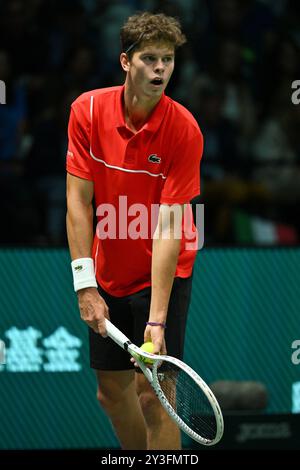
<point x="168" y="59"/>
<point x="149" y="58"/>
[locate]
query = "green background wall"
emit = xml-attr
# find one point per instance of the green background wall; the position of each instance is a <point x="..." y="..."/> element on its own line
<point x="243" y="319"/>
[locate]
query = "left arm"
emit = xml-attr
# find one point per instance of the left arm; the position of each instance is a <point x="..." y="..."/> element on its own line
<point x="165" y="251"/>
<point x="182" y="184"/>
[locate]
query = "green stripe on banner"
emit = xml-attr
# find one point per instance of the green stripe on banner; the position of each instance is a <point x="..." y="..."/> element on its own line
<point x="242" y="227"/>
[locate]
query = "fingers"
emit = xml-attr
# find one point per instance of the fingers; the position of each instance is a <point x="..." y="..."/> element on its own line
<point x="98" y="323"/>
<point x="98" y="326"/>
<point x="163" y="349"/>
<point x="101" y="326"/>
<point x="156" y="335"/>
<point x="93" y="310"/>
<point x="133" y="360"/>
<point x="157" y="347"/>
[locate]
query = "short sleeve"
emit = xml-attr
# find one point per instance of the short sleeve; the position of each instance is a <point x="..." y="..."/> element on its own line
<point x="183" y="179"/>
<point x="78" y="154"/>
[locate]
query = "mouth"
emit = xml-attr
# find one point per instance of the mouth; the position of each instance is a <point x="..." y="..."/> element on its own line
<point x="157" y="82"/>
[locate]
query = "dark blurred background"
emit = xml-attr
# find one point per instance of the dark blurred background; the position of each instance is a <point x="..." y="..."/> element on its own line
<point x="235" y="75"/>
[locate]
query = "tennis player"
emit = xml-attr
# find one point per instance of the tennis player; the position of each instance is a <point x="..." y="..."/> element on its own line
<point x="134" y="153"/>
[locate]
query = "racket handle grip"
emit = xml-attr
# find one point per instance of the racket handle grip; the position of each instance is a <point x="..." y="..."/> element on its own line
<point x="115" y="334"/>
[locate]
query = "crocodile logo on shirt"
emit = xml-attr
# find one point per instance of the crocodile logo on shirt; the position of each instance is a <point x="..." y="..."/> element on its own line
<point x="153" y="158"/>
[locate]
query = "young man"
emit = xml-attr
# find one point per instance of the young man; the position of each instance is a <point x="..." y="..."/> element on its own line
<point x="131" y="149"/>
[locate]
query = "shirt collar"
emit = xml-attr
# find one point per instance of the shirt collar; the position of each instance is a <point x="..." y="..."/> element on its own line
<point x="154" y="120"/>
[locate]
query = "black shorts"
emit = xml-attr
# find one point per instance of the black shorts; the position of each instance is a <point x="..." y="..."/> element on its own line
<point x="130" y="315"/>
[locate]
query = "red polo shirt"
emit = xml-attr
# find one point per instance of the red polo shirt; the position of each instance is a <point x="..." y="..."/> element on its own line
<point x="132" y="175"/>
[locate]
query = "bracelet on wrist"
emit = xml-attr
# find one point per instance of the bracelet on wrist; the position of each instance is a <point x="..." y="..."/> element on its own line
<point x="154" y="323"/>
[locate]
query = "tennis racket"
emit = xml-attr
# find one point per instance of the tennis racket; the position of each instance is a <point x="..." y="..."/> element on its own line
<point x="184" y="395"/>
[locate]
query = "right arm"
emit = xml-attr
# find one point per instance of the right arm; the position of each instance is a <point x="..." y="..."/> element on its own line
<point x="80" y="192"/>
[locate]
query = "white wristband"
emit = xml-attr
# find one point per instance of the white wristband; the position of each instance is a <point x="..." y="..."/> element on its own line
<point x="83" y="273"/>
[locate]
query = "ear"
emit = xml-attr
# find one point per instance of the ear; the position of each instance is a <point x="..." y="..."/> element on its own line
<point x="125" y="62"/>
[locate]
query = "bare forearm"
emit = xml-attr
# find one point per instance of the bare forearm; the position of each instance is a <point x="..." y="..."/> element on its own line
<point x="164" y="261"/>
<point x="92" y="306"/>
<point x="80" y="230"/>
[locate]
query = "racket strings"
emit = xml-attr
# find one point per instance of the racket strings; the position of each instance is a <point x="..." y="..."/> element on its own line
<point x="188" y="400"/>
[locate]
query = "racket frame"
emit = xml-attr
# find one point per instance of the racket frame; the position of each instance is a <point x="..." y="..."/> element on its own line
<point x="152" y="375"/>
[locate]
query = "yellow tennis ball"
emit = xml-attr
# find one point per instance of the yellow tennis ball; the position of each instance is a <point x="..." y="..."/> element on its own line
<point x="147" y="347"/>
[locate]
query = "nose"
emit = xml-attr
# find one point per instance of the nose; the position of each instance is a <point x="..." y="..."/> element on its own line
<point x="159" y="66"/>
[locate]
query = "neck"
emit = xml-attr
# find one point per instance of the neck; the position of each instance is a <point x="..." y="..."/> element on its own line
<point x="137" y="108"/>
